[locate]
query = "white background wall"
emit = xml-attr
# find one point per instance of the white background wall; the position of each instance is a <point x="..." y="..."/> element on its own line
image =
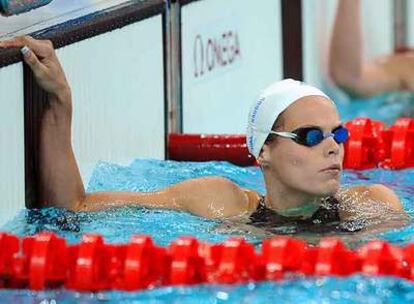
<point x="118" y="94"/>
<point x="318" y="18"/>
<point x="12" y="190"/>
<point x="410" y="19"/>
<point x="219" y="100"/>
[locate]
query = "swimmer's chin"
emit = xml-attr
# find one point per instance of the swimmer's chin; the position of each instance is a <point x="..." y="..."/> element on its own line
<point x="331" y="189"/>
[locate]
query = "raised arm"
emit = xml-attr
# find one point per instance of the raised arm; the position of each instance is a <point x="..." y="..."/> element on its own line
<point x="61" y="184"/>
<point x="346" y="63"/>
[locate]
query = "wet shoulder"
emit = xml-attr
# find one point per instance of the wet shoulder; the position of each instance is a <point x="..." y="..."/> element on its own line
<point x="358" y="198"/>
<point x="216" y="197"/>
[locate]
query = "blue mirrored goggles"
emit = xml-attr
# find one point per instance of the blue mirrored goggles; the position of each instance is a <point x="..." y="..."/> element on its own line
<point x="312" y="136"/>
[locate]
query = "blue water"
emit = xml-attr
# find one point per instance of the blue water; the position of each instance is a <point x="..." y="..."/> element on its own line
<point x="385" y="107"/>
<point x="356" y="289"/>
<point x="117" y="225"/>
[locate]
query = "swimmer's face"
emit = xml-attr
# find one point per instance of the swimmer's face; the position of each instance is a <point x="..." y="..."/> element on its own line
<point x="309" y="170"/>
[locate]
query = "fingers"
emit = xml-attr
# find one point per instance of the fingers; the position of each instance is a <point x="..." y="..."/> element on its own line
<point x="42" y="48"/>
<point x="31" y="59"/>
<point x="40" y="56"/>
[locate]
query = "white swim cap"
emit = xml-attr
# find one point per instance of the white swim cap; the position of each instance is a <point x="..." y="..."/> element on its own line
<point x="271" y="103"/>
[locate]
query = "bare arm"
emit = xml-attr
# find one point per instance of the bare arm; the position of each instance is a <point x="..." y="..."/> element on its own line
<point x="61" y="183"/>
<point x="346" y="64"/>
<point x="210" y="197"/>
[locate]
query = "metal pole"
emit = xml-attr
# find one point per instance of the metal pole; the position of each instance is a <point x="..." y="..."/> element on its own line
<point x="292" y="39"/>
<point x="173" y="45"/>
<point x="400" y="24"/>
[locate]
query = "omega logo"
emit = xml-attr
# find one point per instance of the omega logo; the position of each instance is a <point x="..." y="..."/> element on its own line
<point x="213" y="53"/>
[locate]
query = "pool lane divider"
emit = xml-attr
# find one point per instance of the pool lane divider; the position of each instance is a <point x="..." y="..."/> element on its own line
<point x="371" y="145"/>
<point x="201" y="147"/>
<point x="46" y="261"/>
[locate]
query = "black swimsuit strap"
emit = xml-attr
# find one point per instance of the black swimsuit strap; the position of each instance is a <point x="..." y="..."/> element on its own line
<point x="265" y="217"/>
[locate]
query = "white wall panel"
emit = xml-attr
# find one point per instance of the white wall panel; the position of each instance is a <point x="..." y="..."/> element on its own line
<point x="12" y="189"/>
<point x="318" y="19"/>
<point x="220" y="84"/>
<point x="410" y="21"/>
<point x="118" y="94"/>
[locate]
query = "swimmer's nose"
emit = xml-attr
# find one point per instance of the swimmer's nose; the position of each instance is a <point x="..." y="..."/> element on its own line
<point x="331" y="147"/>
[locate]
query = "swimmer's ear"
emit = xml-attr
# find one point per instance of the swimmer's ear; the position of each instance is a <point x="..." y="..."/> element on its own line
<point x="264" y="157"/>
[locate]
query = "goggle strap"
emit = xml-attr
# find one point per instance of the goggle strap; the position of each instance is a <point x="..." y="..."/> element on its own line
<point x="284" y="134"/>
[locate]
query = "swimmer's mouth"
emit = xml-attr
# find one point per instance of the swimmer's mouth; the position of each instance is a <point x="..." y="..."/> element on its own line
<point x="332" y="168"/>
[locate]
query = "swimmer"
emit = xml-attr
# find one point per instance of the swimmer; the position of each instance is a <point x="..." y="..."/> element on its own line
<point x="294" y="131"/>
<point x="347" y="68"/>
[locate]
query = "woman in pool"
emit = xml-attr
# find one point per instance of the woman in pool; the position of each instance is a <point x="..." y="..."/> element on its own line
<point x="347" y="68"/>
<point x="294" y="132"/>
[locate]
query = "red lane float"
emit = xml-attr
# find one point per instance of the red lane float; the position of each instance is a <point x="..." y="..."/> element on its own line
<point x="92" y="264"/>
<point x="399" y="144"/>
<point x="144" y="265"/>
<point x="381" y="258"/>
<point x="237" y="262"/>
<point x="186" y="264"/>
<point x="409" y="258"/>
<point x="364" y="148"/>
<point x="197" y="147"/>
<point x="9" y="245"/>
<point x="370" y="145"/>
<point x="45" y="261"/>
<point x="335" y="259"/>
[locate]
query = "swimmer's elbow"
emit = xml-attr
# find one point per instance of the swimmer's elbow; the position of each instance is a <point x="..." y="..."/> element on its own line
<point x="79" y="206"/>
<point x="337" y="74"/>
<point x="349" y="82"/>
<point x="96" y="201"/>
<point x="341" y="75"/>
<point x="371" y="80"/>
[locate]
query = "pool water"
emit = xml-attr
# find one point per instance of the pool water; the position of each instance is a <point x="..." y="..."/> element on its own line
<point x="118" y="225"/>
<point x="385" y="107"/>
<point x="355" y="289"/>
